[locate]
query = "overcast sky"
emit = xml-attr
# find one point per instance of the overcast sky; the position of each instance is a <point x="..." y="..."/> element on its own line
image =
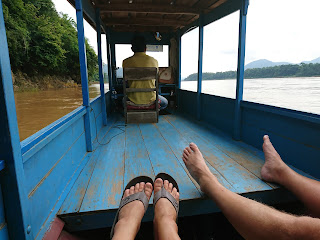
<point x="277" y="30"/>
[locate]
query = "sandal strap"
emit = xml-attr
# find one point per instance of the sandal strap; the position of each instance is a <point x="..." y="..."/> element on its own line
<point x="163" y="193"/>
<point x="141" y="196"/>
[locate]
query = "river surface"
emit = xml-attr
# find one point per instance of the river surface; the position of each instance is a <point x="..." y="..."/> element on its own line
<point x="36" y="110"/>
<point x="301" y="94"/>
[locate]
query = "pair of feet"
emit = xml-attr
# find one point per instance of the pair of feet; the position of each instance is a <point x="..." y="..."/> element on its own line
<point x="271" y="170"/>
<point x="131" y="214"/>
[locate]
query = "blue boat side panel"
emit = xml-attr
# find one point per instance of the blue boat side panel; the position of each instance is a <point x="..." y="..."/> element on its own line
<point x="40" y="164"/>
<point x="137" y="161"/>
<point x="239" y="177"/>
<point x="106" y="184"/>
<point x="218" y="112"/>
<point x="44" y="198"/>
<point x="187" y="102"/>
<point x="163" y="160"/>
<point x="296" y="140"/>
<point x="178" y="142"/>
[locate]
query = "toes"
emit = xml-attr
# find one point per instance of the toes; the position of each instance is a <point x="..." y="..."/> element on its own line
<point x="185" y="156"/>
<point x="177" y="196"/>
<point x="148" y="189"/>
<point x="194" y="147"/>
<point x="131" y="191"/>
<point x="126" y="193"/>
<point x="166" y="184"/>
<point x="186" y="152"/>
<point x="266" y="138"/>
<point x="158" y="183"/>
<point x="141" y="186"/>
<point x="136" y="188"/>
<point x="170" y="187"/>
<point x="174" y="192"/>
<point x="189" y="150"/>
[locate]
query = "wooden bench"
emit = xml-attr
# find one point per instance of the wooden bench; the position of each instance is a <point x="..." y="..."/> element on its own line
<point x="140" y="113"/>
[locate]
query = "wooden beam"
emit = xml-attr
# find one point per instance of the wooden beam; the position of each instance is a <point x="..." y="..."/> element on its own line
<point x="148" y="8"/>
<point x="145" y="22"/>
<point x="124" y="28"/>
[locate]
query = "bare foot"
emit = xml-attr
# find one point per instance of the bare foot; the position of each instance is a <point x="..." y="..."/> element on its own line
<point x="130" y="215"/>
<point x="273" y="165"/>
<point x="195" y="163"/>
<point x="165" y="215"/>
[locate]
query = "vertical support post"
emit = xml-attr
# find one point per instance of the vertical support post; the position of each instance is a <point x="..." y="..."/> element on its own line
<point x="84" y="74"/>
<point x="113" y="61"/>
<point x="12" y="177"/>
<point x="109" y="59"/>
<point x="240" y="69"/>
<point x="200" y="58"/>
<point x="179" y="68"/>
<point x="179" y="58"/>
<point x="103" y="99"/>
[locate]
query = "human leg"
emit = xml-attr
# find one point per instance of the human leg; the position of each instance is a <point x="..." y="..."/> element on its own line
<point x="251" y="219"/>
<point x="163" y="102"/>
<point x="165" y="215"/>
<point x="130" y="215"/>
<point x="275" y="170"/>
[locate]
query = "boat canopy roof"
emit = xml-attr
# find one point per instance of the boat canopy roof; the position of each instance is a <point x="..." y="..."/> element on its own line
<point x="166" y="16"/>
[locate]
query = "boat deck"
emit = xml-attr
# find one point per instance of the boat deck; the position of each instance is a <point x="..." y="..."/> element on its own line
<point x="126" y="151"/>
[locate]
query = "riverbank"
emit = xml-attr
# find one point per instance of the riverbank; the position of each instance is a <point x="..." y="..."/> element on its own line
<point x="24" y="83"/>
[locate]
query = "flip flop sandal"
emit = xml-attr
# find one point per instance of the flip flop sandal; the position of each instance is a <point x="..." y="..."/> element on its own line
<point x="141" y="196"/>
<point x="163" y="193"/>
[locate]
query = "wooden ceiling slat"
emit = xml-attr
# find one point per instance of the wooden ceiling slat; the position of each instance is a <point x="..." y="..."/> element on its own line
<point x="141" y="29"/>
<point x="144" y="22"/>
<point x="148" y="8"/>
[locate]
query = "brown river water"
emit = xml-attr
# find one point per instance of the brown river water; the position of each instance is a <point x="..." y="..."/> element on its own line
<point x="36" y="110"/>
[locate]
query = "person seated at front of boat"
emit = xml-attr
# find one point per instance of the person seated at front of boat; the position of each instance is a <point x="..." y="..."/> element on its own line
<point x="141" y="59"/>
<point x="253" y="220"/>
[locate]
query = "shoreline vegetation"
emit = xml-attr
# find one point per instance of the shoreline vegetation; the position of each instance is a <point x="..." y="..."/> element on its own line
<point x="282" y="71"/>
<point x="43" y="46"/>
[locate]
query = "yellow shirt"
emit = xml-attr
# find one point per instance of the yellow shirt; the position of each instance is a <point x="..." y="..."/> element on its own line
<point x="141" y="59"/>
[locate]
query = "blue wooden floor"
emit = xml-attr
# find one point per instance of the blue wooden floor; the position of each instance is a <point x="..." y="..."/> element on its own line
<point x="147" y="149"/>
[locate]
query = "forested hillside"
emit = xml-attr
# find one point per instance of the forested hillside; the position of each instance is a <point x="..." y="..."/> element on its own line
<point x="292" y="70"/>
<point x="43" y="43"/>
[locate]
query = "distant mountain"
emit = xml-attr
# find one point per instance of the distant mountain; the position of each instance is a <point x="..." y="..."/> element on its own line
<point x="317" y="60"/>
<point x="262" y="63"/>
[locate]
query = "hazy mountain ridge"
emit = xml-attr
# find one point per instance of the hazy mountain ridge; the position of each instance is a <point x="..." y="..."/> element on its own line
<point x="262" y="63"/>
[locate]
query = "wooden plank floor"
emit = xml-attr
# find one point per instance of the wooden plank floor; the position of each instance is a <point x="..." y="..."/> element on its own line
<point x="131" y="150"/>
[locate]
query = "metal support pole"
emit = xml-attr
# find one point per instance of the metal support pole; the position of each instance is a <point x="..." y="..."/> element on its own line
<point x="84" y="74"/>
<point x="240" y="70"/>
<point x="113" y="62"/>
<point x="12" y="178"/>
<point x="179" y="58"/>
<point x="200" y="58"/>
<point x="103" y="98"/>
<point x="109" y="59"/>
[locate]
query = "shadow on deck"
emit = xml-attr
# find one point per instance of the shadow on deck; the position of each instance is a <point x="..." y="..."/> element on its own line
<point x="126" y="151"/>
